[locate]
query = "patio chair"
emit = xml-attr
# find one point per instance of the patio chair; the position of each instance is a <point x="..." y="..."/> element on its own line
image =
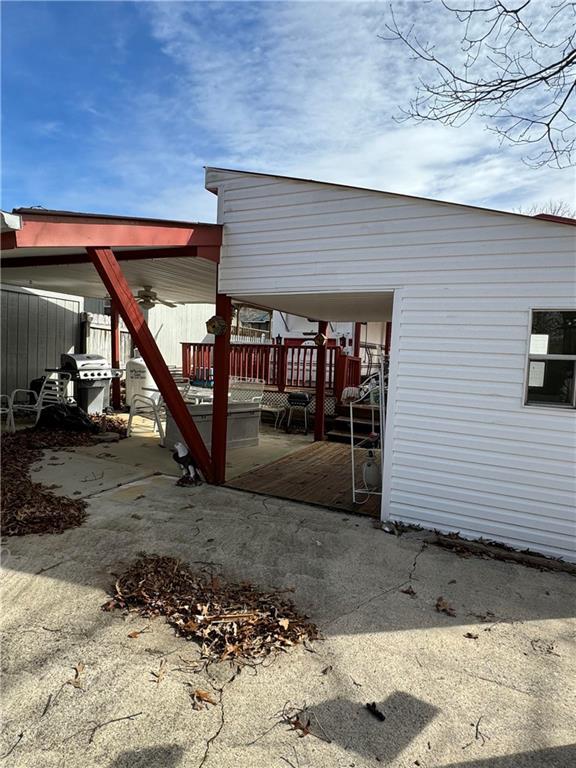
<point x="298" y="401"/>
<point x="147" y="407"/>
<point x="53" y="392"/>
<point x="6" y="409"/>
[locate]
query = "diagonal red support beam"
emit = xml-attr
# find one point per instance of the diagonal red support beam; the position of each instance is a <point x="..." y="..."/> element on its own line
<point x="119" y="290"/>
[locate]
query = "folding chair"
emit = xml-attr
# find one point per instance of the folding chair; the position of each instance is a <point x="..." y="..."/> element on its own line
<point x="53" y="392"/>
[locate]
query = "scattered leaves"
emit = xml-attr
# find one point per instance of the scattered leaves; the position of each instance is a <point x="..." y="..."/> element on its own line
<point x="443" y="606"/>
<point x="229" y="620"/>
<point x="29" y="507"/>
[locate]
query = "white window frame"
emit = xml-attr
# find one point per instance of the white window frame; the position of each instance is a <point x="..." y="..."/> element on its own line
<point x="530" y="358"/>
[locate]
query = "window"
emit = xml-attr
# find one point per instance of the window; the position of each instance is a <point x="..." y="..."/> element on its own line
<point x="552" y="359"/>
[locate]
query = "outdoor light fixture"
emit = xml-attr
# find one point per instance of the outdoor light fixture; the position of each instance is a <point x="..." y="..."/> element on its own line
<point x="320" y="339"/>
<point x="216" y="325"/>
<point x="278" y="339"/>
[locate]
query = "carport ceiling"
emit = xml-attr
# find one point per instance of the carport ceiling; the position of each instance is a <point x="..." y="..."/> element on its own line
<point x="335" y="307"/>
<point x="181" y="279"/>
<point x="46" y="250"/>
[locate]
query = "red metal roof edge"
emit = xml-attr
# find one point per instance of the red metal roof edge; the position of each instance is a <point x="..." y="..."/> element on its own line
<point x="115" y="217"/>
<point x="556" y="219"/>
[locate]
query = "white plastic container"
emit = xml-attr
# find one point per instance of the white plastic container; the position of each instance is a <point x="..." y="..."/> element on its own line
<point x="138" y="378"/>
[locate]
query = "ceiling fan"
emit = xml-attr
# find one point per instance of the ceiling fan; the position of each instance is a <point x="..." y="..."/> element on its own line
<point x="147" y="298"/>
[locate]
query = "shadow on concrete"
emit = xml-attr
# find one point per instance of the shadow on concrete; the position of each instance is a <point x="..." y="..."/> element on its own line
<point x="350" y="725"/>
<point x="553" y="757"/>
<point x="168" y="756"/>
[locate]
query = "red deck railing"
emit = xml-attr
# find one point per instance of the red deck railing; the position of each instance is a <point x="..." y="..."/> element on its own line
<point x="276" y="365"/>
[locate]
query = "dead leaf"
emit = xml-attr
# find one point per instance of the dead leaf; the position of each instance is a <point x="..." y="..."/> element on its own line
<point x="327" y="669"/>
<point x="471" y="636"/>
<point x="302" y="728"/>
<point x="284" y="623"/>
<point x="137" y="632"/>
<point x="78" y="681"/>
<point x="443" y="606"/>
<point x="409" y="590"/>
<point x="201" y="699"/>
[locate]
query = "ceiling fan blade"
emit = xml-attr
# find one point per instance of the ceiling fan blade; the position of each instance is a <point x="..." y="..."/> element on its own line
<point x="166" y="303"/>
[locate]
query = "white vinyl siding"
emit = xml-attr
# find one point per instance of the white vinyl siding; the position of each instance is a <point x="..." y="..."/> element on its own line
<point x="463" y="451"/>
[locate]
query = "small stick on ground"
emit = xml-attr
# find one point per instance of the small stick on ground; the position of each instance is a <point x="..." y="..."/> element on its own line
<point x="13" y="747"/>
<point x="108" y="722"/>
<point x="47" y="707"/>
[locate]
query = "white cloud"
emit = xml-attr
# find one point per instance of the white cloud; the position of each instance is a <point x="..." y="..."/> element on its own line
<point x="303" y="89"/>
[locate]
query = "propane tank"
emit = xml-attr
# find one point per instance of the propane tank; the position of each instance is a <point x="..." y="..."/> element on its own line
<point x="371" y="472"/>
<point x="137" y="378"/>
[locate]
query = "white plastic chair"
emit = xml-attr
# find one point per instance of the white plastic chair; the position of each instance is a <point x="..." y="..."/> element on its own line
<point x="148" y="407"/>
<point x="6" y="410"/>
<point x="53" y="392"/>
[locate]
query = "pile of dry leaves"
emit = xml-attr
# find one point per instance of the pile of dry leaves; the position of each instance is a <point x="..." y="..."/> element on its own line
<point x="29" y="507"/>
<point x="230" y="621"/>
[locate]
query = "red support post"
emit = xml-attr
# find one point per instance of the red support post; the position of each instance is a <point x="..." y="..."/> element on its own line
<point x="117" y="286"/>
<point x="221" y="384"/>
<point x="320" y="385"/>
<point x="388" y="338"/>
<point x="115" y="351"/>
<point x="357" y="332"/>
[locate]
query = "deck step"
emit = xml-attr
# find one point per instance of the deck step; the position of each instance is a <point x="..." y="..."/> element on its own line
<point x="361" y="426"/>
<point x="340" y="436"/>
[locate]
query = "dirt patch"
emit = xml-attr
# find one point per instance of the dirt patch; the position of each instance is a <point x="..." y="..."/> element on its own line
<point x="229" y="620"/>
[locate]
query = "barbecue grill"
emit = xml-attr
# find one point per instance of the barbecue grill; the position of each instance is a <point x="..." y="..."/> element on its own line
<point x="91" y="375"/>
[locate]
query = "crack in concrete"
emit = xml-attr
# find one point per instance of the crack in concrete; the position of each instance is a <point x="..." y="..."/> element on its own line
<point x="396" y="587"/>
<point x="216" y="734"/>
<point x="423" y="546"/>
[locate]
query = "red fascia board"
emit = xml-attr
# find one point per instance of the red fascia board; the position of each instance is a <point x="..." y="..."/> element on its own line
<point x="210" y="253"/>
<point x="51" y="232"/>
<point x="556" y="219"/>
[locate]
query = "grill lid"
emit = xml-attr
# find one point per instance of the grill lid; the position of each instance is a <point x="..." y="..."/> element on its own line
<point x="82" y="362"/>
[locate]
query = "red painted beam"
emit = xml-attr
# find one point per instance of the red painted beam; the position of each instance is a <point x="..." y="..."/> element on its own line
<point x="51" y="260"/>
<point x="115" y="352"/>
<point x="118" y="288"/>
<point x="221" y="383"/>
<point x="357" y="333"/>
<point x="319" y="419"/>
<point x="388" y="339"/>
<point x="7" y="240"/>
<point x="55" y="232"/>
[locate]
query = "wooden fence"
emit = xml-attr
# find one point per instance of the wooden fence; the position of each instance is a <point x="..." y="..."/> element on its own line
<point x="283" y="367"/>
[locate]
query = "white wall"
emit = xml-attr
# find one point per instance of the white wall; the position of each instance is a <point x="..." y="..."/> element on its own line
<point x="171" y="325"/>
<point x="462" y="451"/>
<point x="37" y="327"/>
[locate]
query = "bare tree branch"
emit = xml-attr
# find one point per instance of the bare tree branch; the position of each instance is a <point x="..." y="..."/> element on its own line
<point x="516" y="70"/>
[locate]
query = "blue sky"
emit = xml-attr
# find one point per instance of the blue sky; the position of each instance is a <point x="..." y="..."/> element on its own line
<point x="116" y="107"/>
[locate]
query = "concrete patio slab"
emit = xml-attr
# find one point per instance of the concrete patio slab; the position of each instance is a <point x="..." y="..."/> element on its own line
<point x="503" y="698"/>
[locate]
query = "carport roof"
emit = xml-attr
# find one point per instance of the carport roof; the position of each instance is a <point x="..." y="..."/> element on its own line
<point x="46" y="250"/>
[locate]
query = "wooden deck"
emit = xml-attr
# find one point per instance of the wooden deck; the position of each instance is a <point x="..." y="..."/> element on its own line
<point x="318" y="474"/>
